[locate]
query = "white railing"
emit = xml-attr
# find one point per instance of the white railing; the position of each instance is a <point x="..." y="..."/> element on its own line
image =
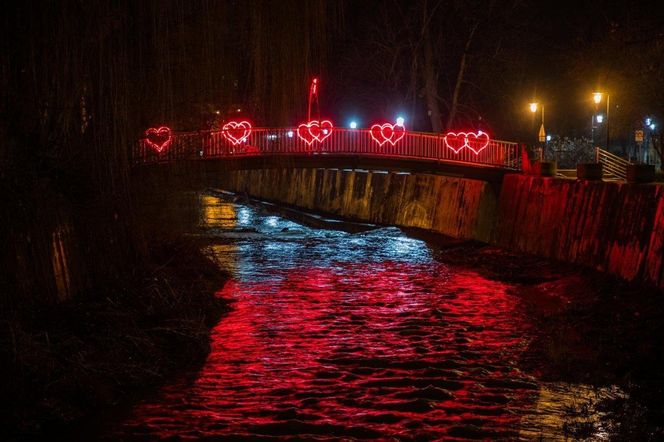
<point x="284" y="141"/>
<point x="612" y="165"/>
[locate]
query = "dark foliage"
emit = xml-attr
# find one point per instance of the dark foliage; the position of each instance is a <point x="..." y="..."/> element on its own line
<point x="72" y="360"/>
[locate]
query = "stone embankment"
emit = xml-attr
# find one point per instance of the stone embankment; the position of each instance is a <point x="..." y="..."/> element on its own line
<point x="613" y="227"/>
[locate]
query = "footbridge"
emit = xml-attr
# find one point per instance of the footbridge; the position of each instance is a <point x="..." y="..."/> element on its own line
<point x="383" y="147"/>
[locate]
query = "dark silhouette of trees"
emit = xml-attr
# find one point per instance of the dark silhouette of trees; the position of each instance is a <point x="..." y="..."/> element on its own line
<point x="81" y="81"/>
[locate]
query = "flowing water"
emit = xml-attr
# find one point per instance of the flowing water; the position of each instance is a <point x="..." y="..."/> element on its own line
<point x="360" y="336"/>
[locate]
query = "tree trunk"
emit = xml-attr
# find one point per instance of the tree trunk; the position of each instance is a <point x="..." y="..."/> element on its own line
<point x="459" y="80"/>
<point x="431" y="85"/>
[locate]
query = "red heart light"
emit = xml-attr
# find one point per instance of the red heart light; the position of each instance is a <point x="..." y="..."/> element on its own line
<point x="314" y="131"/>
<point x="236" y="132"/>
<point x="387" y="132"/>
<point x="477" y="142"/>
<point x="455" y="141"/>
<point x="158" y="138"/>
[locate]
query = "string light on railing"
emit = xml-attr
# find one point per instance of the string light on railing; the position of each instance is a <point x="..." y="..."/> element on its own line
<point x="400" y="121"/>
<point x="236" y="131"/>
<point x="290" y="134"/>
<point x="387" y="133"/>
<point x="315" y="130"/>
<point x="353" y="125"/>
<point x="158" y="138"/>
<point x="476" y="142"/>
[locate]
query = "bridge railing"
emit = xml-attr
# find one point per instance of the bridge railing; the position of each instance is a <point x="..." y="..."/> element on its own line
<point x="612" y="165"/>
<point x="284" y="141"/>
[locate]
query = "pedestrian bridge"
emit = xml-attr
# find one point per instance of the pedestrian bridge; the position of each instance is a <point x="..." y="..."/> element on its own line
<point x="386" y="147"/>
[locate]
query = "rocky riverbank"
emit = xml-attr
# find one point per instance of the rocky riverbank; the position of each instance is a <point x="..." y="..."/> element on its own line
<point x="70" y="361"/>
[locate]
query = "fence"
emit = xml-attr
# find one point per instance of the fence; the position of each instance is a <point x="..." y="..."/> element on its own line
<point x="285" y="141"/>
<point x="612" y="164"/>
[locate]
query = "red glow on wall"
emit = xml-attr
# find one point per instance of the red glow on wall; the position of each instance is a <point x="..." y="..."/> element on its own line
<point x="474" y="141"/>
<point x="236" y="131"/>
<point x="387" y="133"/>
<point x="158" y="138"/>
<point x="315" y="130"/>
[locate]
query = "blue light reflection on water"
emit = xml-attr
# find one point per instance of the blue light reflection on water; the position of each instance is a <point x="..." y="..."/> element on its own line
<point x="361" y="335"/>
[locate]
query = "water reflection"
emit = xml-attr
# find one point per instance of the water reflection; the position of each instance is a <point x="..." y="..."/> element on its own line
<point x="215" y="215"/>
<point x="336" y="335"/>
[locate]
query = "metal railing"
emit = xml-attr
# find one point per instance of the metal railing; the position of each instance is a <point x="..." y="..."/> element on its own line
<point x="284" y="141"/>
<point x="612" y="165"/>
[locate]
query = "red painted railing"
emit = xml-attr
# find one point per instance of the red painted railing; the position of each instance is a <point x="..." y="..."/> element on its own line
<point x="268" y="141"/>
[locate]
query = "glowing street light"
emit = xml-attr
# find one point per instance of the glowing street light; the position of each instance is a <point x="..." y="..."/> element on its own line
<point x="533" y="106"/>
<point x="597" y="98"/>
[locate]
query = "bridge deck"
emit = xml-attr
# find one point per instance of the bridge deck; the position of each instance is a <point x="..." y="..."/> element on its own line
<point x="266" y="147"/>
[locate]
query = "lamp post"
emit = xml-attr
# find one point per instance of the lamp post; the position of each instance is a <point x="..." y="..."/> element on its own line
<point x="597" y="98"/>
<point x="541" y="136"/>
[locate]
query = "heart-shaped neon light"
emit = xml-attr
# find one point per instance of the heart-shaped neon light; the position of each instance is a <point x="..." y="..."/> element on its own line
<point x="236" y="131"/>
<point x="475" y="141"/>
<point x="387" y="133"/>
<point x="158" y="138"/>
<point x="314" y="131"/>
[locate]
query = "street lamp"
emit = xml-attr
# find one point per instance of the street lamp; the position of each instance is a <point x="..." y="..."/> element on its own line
<point x="597" y="98"/>
<point x="533" y="108"/>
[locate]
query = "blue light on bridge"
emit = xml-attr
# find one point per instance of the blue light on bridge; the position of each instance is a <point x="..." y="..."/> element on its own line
<point x="353" y="125"/>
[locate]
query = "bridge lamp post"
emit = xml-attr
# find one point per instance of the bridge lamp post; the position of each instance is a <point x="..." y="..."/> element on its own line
<point x="597" y="98"/>
<point x="541" y="136"/>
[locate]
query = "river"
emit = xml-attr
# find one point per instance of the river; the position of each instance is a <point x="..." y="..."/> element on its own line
<point x="370" y="335"/>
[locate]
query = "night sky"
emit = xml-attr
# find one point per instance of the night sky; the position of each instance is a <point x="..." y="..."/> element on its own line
<point x="555" y="52"/>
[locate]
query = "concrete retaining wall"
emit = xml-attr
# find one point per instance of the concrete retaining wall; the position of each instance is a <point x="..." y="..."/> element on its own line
<point x="457" y="207"/>
<point x="612" y="227"/>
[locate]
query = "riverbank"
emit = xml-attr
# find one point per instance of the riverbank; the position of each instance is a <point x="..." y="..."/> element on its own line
<point x="70" y="361"/>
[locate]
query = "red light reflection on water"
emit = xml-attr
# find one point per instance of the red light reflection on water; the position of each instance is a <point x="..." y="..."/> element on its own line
<point x="386" y="349"/>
